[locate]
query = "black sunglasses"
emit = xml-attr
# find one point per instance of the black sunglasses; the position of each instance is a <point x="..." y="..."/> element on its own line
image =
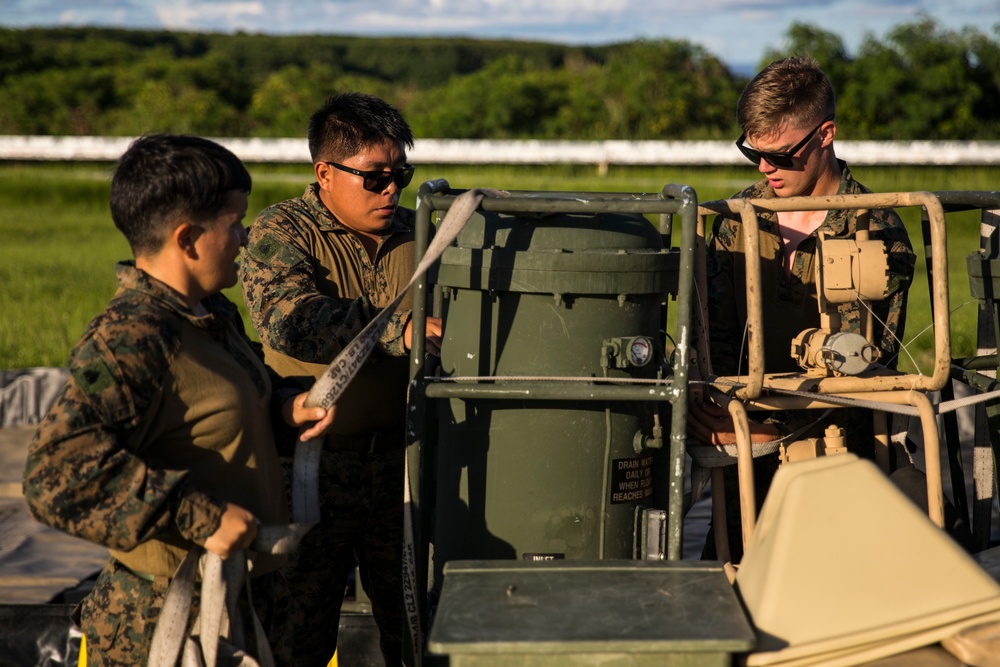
<point x="780" y="160"/>
<point x="376" y="181"/>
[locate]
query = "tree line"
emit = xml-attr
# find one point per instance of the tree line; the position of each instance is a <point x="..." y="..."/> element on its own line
<point x="920" y="81"/>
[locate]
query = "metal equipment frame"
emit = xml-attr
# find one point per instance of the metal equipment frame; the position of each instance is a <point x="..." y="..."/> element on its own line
<point x="672" y="200"/>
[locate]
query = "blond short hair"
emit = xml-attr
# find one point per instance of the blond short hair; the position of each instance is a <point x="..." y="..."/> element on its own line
<point x="792" y="91"/>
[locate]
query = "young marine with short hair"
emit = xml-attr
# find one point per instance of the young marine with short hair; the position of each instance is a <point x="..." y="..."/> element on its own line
<point x="788" y="116"/>
<point x="162" y="437"/>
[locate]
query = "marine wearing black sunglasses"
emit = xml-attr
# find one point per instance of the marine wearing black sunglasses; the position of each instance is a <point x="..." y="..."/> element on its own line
<point x="778" y="159"/>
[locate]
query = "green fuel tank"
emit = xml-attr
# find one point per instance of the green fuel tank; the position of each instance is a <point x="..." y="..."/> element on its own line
<point x="541" y="313"/>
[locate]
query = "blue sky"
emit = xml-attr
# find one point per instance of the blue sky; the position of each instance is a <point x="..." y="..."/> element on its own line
<point x="737" y="31"/>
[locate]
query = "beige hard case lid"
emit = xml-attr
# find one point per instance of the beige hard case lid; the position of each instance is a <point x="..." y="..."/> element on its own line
<point x="843" y="568"/>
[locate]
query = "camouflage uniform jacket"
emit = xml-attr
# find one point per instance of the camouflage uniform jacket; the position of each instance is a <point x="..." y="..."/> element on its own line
<point x="789" y="303"/>
<point x="311" y="287"/>
<point x="165" y="415"/>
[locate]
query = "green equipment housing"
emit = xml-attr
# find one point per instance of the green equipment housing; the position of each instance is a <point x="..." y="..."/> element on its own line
<point x="547" y="431"/>
<point x="564" y="296"/>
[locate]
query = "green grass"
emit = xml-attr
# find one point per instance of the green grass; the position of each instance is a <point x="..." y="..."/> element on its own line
<point x="59" y="245"/>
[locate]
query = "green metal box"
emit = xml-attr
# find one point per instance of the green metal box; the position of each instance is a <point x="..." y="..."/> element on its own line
<point x="606" y="613"/>
<point x="543" y="296"/>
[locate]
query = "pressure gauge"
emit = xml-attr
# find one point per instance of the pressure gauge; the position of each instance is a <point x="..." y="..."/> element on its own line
<point x="640" y="351"/>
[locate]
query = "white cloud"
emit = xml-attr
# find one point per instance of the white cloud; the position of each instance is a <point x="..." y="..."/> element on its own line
<point x="191" y="14"/>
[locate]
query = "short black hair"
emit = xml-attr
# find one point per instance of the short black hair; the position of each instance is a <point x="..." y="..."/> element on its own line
<point x="164" y="177"/>
<point x="348" y="123"/>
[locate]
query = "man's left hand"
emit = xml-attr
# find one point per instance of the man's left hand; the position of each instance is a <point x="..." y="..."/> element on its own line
<point x="714" y="425"/>
<point x="432" y="336"/>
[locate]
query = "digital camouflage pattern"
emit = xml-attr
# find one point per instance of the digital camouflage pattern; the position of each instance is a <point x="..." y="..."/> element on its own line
<point x="119" y="616"/>
<point x="116" y="373"/>
<point x="791" y="304"/>
<point x="311" y="287"/>
<point x="134" y="453"/>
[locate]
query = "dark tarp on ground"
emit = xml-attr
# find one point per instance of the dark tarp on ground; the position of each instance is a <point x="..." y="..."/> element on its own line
<point x="38" y="635"/>
<point x="41" y="569"/>
<point x="27" y="393"/>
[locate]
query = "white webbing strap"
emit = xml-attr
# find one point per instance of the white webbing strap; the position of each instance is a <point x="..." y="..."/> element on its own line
<point x="171" y="626"/>
<point x="221" y="581"/>
<point x="411" y="602"/>
<point x="218" y="630"/>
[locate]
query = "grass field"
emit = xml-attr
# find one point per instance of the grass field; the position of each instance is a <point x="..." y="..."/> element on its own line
<point x="59" y="245"/>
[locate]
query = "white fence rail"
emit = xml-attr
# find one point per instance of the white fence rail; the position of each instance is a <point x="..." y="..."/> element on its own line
<point x="470" y="151"/>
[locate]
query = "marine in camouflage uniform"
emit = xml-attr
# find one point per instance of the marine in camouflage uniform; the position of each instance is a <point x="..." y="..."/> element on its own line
<point x="789" y="308"/>
<point x="161" y="438"/>
<point x="318" y="269"/>
<point x="311" y="288"/>
<point x="164" y="415"/>
<point x="787" y="113"/>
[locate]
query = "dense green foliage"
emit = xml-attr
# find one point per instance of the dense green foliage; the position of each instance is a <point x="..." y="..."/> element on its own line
<point x="59" y="250"/>
<point x="920" y="82"/>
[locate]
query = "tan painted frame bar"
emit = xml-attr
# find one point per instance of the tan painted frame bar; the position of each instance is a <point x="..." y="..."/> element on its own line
<point x="896" y="388"/>
<point x="928" y="423"/>
<point x="835" y="385"/>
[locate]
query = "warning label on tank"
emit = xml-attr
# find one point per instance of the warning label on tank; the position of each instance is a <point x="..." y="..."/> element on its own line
<point x="631" y="480"/>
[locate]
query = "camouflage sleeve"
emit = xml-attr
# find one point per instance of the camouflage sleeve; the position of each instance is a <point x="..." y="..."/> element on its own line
<point x="725" y="329"/>
<point x="887" y="227"/>
<point x="391" y="343"/>
<point x="82" y="477"/>
<point x="288" y="311"/>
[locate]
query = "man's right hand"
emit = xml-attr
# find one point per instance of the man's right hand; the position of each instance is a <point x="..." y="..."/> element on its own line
<point x="236" y="531"/>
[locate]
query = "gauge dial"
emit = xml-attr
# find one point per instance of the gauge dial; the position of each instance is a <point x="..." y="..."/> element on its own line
<point x="640" y="350"/>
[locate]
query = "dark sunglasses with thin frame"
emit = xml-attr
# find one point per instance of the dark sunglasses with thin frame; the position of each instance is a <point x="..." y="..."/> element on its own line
<point x="377" y="181"/>
<point x="782" y="159"/>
